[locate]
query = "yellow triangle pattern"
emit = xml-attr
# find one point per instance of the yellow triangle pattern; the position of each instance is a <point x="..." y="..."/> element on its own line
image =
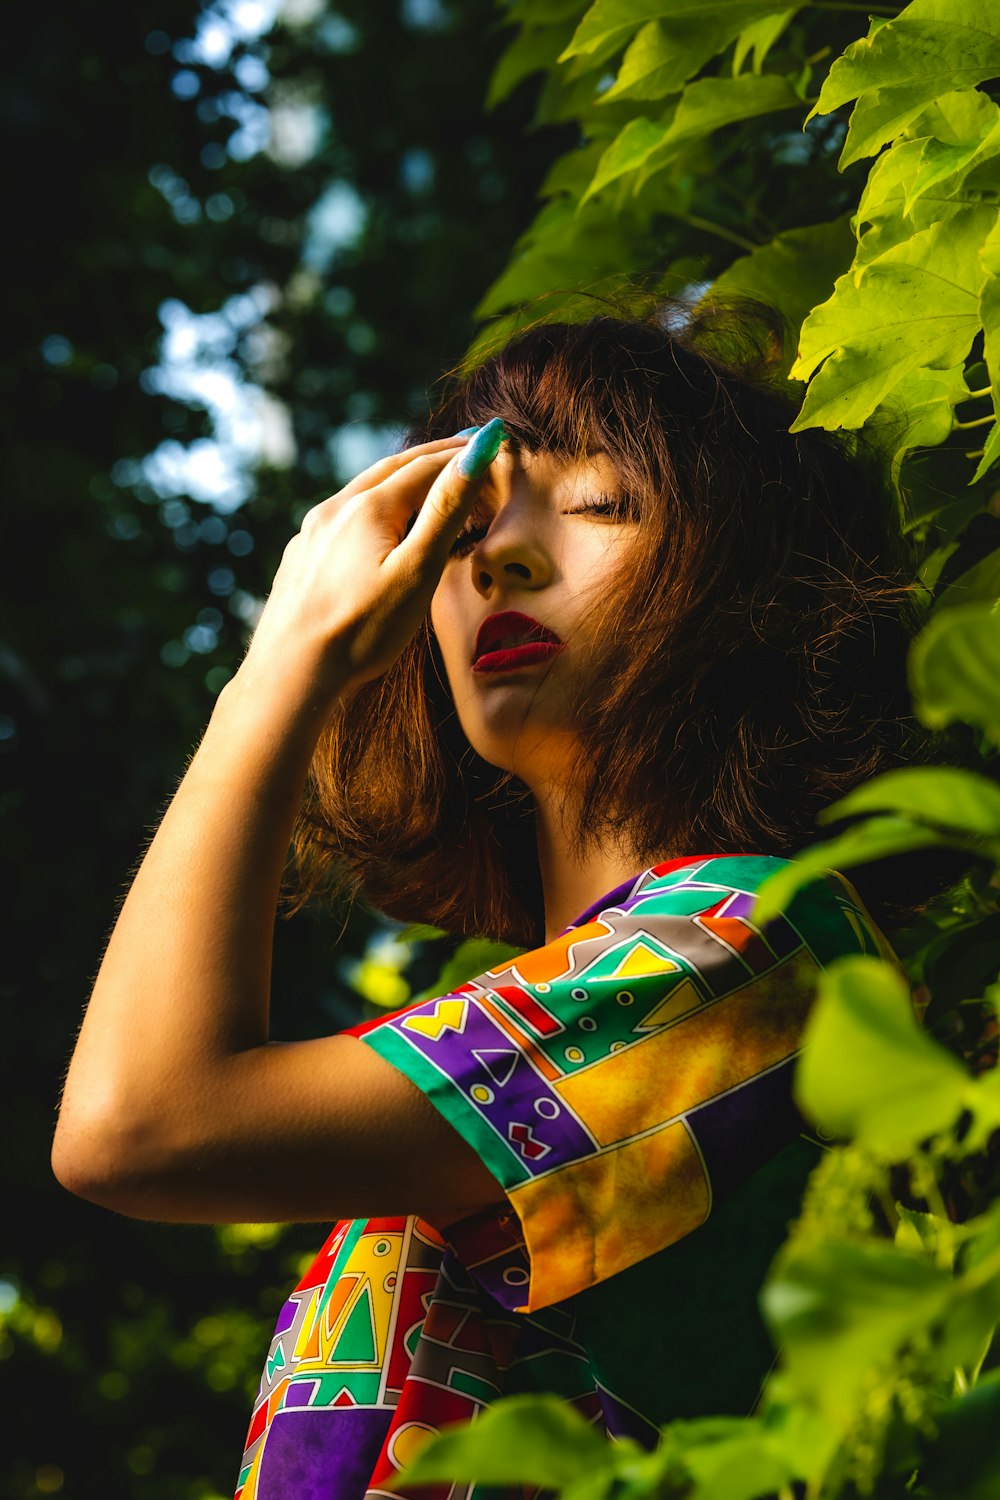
<point x="682" y="998"/>
<point x="641" y="960"/>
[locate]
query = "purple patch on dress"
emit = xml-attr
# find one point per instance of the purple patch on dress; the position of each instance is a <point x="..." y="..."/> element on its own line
<point x="299" y="1393"/>
<point x="286" y="1317"/>
<point x="511" y="1096"/>
<point x="321" y="1453"/>
<point x="741" y="1130"/>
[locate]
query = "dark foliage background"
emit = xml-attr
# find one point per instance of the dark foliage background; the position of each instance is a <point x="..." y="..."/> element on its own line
<point x="142" y="198"/>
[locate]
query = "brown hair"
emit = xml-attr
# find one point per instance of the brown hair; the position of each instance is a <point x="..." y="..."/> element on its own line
<point x="754" y="662"/>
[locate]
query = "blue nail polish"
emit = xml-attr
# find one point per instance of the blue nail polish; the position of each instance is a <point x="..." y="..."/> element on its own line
<point x="480" y="453"/>
<point x="467" y="431"/>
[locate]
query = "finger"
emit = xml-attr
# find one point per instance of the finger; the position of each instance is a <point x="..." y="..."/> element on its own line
<point x="416" y="468"/>
<point x="451" y="496"/>
<point x="385" y="468"/>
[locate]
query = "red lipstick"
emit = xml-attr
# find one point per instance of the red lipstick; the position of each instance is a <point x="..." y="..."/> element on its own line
<point x="510" y="639"/>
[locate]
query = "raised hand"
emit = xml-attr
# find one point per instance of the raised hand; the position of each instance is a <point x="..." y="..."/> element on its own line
<point x="354" y="583"/>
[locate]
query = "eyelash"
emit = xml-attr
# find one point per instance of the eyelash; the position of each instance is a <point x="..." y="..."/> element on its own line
<point x="604" y="505"/>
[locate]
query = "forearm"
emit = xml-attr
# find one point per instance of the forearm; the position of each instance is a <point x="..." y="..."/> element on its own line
<point x="184" y="984"/>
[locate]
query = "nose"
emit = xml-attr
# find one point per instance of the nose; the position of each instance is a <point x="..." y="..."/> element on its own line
<point x="513" y="553"/>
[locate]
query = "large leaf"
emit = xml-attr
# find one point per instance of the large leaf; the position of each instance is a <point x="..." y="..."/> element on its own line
<point x="931" y="48"/>
<point x="941" y="795"/>
<point x="534" y="1440"/>
<point x="630" y="150"/>
<point x="704" y="106"/>
<point x="874" y="839"/>
<point x="658" y="62"/>
<point x="962" y="1461"/>
<point x="920" y="410"/>
<point x="794" y="272"/>
<point x="955" y="668"/>
<point x="978" y="584"/>
<point x="963" y="133"/>
<point x="868" y="1072"/>
<point x="534" y="49"/>
<point x="917" y="305"/>
<point x="671" y="49"/>
<point x="840" y="1309"/>
<point x="757" y="39"/>
<point x="612" y="22"/>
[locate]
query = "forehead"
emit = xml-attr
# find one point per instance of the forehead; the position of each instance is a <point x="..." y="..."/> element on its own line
<point x="544" y="471"/>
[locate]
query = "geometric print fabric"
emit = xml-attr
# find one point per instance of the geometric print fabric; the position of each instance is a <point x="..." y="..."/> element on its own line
<point x="619" y="1082"/>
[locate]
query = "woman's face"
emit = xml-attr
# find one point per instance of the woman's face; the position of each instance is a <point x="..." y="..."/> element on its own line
<point x="544" y="543"/>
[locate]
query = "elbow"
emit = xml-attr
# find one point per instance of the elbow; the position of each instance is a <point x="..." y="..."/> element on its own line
<point x="87" y="1160"/>
<point x="98" y="1154"/>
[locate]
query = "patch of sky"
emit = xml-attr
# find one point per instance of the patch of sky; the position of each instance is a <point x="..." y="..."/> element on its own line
<point x="423" y="15"/>
<point x="56" y="350"/>
<point x="221" y="28"/>
<point x="196" y="367"/>
<point x="297" y="128"/>
<point x="224" y="25"/>
<point x="183" y="204"/>
<point x="793" y="148"/>
<point x="185" y="83"/>
<point x="357" y="445"/>
<point x="335" y="34"/>
<point x="302" y="12"/>
<point x="336" y="221"/>
<point x="416" y="170"/>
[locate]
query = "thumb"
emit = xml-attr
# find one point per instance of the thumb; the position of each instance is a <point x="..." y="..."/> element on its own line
<point x="450" y="497"/>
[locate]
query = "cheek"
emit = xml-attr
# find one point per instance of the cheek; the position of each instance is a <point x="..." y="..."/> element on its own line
<point x="445" y="621"/>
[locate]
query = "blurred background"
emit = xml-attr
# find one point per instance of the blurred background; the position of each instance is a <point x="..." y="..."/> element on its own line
<point x="245" y="240"/>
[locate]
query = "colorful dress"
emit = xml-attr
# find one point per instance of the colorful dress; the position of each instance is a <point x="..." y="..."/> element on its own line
<point x="627" y="1084"/>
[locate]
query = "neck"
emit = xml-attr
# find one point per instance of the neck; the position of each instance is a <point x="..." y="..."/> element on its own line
<point x="571" y="878"/>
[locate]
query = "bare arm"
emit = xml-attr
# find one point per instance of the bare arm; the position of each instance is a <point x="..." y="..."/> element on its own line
<point x="176" y="1106"/>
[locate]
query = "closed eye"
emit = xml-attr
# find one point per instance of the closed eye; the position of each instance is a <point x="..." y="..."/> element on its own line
<point x="620" y="507"/>
<point x="617" y="507"/>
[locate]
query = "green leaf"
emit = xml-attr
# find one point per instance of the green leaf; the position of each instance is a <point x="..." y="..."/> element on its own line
<point x="471" y="958"/>
<point x="704" y="106"/>
<point x="877" y="117"/>
<point x="759" y="37"/>
<point x="920" y="411"/>
<point x="917" y="305"/>
<point x="931" y="48"/>
<point x="633" y="146"/>
<point x="535" y="1440"/>
<point x="962" y="1460"/>
<point x="955" y="668"/>
<point x="871" y="840"/>
<point x="839" y="1308"/>
<point x="966" y="134"/>
<point x="868" y="1071"/>
<point x="941" y="795"/>
<point x="979" y="584"/>
<point x="533" y="50"/>
<point x="793" y="273"/>
<point x="657" y="63"/>
<point x="612" y="22"/>
<point x="561" y="249"/>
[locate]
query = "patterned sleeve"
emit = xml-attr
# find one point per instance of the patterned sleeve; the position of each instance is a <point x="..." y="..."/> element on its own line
<point x="627" y="1076"/>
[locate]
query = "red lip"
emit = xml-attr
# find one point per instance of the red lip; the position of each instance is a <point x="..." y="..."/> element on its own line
<point x="510" y="622"/>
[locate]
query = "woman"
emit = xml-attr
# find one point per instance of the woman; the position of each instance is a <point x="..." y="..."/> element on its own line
<point x="580" y="677"/>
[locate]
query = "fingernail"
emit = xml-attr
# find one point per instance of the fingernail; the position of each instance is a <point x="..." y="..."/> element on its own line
<point x="466" y="432"/>
<point x="483" y="449"/>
